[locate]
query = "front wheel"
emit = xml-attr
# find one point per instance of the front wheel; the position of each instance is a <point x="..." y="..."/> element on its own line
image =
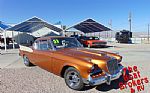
<point x="73" y="79"/>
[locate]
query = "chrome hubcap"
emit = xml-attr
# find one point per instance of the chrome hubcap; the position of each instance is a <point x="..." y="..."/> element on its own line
<point x="73" y="79"/>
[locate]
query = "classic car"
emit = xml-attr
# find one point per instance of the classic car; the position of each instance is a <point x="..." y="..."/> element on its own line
<point x="91" y="41"/>
<point x="66" y="57"/>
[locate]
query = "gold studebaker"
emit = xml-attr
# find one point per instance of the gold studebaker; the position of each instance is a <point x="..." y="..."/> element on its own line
<point x="66" y="57"/>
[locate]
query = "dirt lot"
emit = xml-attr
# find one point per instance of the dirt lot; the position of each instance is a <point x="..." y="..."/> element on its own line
<point x="16" y="78"/>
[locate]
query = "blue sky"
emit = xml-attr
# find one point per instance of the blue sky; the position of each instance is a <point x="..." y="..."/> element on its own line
<point x="70" y="12"/>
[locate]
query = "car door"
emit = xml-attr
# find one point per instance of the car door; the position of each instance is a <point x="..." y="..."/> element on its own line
<point x="42" y="55"/>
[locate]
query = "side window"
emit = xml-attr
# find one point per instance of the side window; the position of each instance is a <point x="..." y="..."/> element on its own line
<point x="45" y="45"/>
<point x="42" y="45"/>
<point x="36" y="45"/>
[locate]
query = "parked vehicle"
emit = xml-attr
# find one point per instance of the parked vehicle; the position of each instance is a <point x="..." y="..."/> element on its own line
<point x="65" y="57"/>
<point x="91" y="41"/>
<point x="124" y="36"/>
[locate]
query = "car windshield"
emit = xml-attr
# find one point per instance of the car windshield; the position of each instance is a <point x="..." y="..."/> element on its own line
<point x="60" y="43"/>
<point x="89" y="38"/>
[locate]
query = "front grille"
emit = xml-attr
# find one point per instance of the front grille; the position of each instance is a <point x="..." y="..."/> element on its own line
<point x="99" y="43"/>
<point x="112" y="65"/>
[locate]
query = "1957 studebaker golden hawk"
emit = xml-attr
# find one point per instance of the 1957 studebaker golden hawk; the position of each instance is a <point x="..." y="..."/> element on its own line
<point x="65" y="56"/>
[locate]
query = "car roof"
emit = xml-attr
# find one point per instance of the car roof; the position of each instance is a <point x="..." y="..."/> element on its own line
<point x="50" y="37"/>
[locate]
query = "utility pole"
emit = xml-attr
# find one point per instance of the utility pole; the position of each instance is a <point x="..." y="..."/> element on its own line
<point x="148" y="34"/>
<point x="110" y="25"/>
<point x="130" y="21"/>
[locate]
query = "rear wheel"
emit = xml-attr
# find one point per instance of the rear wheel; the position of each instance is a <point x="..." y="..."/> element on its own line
<point x="73" y="79"/>
<point x="27" y="61"/>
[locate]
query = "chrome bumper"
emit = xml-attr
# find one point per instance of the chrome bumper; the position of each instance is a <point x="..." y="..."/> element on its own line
<point x="104" y="79"/>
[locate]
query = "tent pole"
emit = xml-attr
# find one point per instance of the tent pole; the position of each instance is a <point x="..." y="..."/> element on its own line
<point x="18" y="38"/>
<point x="99" y="35"/>
<point x="13" y="39"/>
<point x="5" y="40"/>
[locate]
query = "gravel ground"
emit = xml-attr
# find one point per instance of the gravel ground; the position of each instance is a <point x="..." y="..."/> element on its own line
<point x="36" y="80"/>
<point x="16" y="78"/>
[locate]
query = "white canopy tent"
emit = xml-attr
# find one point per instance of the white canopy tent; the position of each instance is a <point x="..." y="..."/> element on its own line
<point x="29" y="26"/>
<point x="34" y="26"/>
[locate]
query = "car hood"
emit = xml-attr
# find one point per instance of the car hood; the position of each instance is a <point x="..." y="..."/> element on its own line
<point x="89" y="56"/>
<point x="86" y="54"/>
